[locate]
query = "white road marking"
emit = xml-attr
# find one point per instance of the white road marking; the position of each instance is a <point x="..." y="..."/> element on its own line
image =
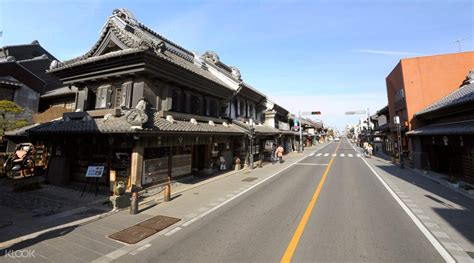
<point x="350" y="155"/>
<point x="140" y="249"/>
<point x="319" y="154"/>
<point x="191" y="215"/>
<point x="243" y="192"/>
<point x="358" y="155"/>
<point x="334" y="155"/>
<point x="311" y="164"/>
<point x="326" y="154"/>
<point x="436" y="244"/>
<point x="191" y="221"/>
<point x="342" y="155"/>
<point x="112" y="255"/>
<point x="173" y="231"/>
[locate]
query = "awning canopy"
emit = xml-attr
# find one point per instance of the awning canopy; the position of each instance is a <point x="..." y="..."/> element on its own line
<point x="461" y="127"/>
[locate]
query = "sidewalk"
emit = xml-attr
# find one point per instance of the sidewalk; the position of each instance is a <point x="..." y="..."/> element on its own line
<point x="88" y="241"/>
<point x="32" y="211"/>
<point x="446" y="213"/>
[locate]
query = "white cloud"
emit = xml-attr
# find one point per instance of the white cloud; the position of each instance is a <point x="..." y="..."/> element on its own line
<point x="386" y="52"/>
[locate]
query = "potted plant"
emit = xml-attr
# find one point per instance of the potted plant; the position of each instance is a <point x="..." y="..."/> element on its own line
<point x="452" y="182"/>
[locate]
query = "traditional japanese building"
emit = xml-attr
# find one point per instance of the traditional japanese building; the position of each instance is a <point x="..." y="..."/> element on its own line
<point x="247" y="110"/>
<point x="444" y="140"/>
<point x="147" y="110"/>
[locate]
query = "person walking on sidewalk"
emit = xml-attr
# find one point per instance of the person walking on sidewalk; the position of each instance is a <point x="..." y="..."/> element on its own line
<point x="279" y="153"/>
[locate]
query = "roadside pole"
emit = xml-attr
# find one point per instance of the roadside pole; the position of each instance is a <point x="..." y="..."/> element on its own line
<point x="301" y="132"/>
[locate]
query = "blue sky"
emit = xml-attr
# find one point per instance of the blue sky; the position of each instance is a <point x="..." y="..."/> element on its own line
<point x="331" y="56"/>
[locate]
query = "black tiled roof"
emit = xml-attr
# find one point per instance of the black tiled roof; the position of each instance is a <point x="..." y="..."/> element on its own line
<point x="97" y="125"/>
<point x="162" y="124"/>
<point x="460" y="96"/>
<point x="451" y="128"/>
<point x="120" y="125"/>
<point x="139" y="38"/>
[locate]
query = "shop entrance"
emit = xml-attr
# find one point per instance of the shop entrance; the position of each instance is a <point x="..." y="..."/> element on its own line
<point x="199" y="157"/>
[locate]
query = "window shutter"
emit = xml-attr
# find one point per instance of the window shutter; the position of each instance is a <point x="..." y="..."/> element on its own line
<point x="126" y="94"/>
<point x="108" y="96"/>
<point x="100" y="97"/>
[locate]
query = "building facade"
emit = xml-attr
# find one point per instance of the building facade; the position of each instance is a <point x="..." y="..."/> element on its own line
<point x="417" y="82"/>
<point x="444" y="139"/>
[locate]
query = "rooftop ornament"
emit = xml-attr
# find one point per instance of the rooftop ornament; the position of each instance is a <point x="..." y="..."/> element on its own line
<point x="126" y="16"/>
<point x="236" y="73"/>
<point x="211" y="56"/>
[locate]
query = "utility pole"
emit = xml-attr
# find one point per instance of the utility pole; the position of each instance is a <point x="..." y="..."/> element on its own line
<point x="396" y="120"/>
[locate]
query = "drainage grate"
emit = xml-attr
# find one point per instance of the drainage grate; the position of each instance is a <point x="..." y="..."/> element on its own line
<point x="159" y="223"/>
<point x="249" y="179"/>
<point x="133" y="235"/>
<point x="140" y="231"/>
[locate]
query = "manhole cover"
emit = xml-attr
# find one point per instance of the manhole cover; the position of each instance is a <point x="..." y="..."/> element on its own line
<point x="159" y="223"/>
<point x="249" y="179"/>
<point x="133" y="234"/>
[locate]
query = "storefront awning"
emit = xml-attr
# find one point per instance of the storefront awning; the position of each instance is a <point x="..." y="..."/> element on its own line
<point x="461" y="127"/>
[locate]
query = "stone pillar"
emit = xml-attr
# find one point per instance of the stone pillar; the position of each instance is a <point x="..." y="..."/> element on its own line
<point x="137" y="164"/>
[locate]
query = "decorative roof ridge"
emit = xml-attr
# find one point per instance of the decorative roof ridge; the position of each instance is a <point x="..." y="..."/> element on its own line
<point x="121" y="34"/>
<point x="151" y="31"/>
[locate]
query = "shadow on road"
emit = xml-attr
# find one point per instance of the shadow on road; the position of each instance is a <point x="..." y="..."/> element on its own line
<point x="461" y="220"/>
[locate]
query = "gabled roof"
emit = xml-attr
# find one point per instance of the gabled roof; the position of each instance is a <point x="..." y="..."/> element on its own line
<point x="14" y="69"/>
<point x="465" y="94"/>
<point x="132" y="37"/>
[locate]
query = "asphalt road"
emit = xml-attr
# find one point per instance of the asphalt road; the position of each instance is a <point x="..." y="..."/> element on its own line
<point x="354" y="218"/>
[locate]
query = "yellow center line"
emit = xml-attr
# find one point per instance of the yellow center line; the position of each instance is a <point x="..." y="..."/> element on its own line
<point x="290" y="250"/>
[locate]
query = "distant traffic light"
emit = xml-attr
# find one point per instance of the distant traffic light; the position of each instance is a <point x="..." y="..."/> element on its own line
<point x="315" y="113"/>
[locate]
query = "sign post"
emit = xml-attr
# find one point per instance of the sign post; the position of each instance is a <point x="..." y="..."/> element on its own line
<point x="93" y="172"/>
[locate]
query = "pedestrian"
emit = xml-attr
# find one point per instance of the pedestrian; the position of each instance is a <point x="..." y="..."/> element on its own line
<point x="222" y="166"/>
<point x="369" y="150"/>
<point x="260" y="159"/>
<point x="279" y="153"/>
